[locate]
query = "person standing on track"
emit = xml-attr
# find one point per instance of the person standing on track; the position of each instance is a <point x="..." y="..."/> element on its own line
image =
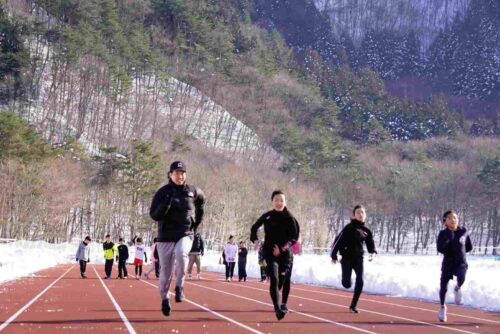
<point x="281" y="231"/>
<point x="197" y="251"/>
<point x="242" y="262"/>
<point x="230" y="253"/>
<point x="156" y="261"/>
<point x="122" y="258"/>
<point x="83" y="255"/>
<point x="110" y="251"/>
<point x="178" y="208"/>
<point x="453" y="242"/>
<point x="349" y="243"/>
<point x="140" y="256"/>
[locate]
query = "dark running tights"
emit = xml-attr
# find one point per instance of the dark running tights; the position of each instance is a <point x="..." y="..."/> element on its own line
<point x="230" y="269"/>
<point x="280" y="280"/>
<point x="138" y="270"/>
<point x="348" y="265"/>
<point x="445" y="278"/>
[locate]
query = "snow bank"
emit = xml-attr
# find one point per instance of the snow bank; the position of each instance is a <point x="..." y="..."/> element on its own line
<point x="406" y="276"/>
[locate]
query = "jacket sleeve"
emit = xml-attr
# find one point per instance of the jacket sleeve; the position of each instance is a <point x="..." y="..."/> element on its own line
<point x="370" y="244"/>
<point x="443" y="241"/>
<point x="145" y="257"/>
<point x="337" y="243"/>
<point x="160" y="205"/>
<point x="77" y="256"/>
<point x="255" y="228"/>
<point x="199" y="205"/>
<point x="468" y="244"/>
<point x="294" y="235"/>
<point x="202" y="250"/>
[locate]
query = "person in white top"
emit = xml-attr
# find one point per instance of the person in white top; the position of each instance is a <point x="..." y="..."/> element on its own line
<point x="230" y="254"/>
<point x="140" y="257"/>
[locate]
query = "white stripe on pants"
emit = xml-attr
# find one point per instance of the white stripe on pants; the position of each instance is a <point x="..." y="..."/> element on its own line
<point x="173" y="255"/>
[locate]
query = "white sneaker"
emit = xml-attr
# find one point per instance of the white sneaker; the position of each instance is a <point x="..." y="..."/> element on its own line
<point x="442" y="314"/>
<point x="458" y="295"/>
<point x="199" y="276"/>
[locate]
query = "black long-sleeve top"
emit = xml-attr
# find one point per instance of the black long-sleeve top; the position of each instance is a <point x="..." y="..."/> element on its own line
<point x="281" y="229"/>
<point x="349" y="243"/>
<point x="179" y="210"/>
<point x="453" y="245"/>
<point x="123" y="252"/>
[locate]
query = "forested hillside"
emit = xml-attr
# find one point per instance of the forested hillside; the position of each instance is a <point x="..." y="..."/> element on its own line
<point x="254" y="95"/>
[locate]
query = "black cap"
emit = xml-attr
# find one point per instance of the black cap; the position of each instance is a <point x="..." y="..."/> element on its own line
<point x="108" y="236"/>
<point x="178" y="165"/>
<point x="88" y="238"/>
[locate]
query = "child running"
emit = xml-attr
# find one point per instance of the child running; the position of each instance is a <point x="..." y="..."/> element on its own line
<point x="140" y="257"/>
<point x="281" y="231"/>
<point x="83" y="255"/>
<point x="349" y="243"/>
<point x="453" y="242"/>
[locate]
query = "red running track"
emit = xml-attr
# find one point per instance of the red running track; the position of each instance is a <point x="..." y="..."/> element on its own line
<point x="57" y="300"/>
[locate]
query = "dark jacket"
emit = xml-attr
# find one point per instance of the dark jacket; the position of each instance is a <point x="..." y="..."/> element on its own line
<point x="454" y="245"/>
<point x="280" y="228"/>
<point x="178" y="211"/>
<point x="123" y="252"/>
<point x="349" y="243"/>
<point x="242" y="255"/>
<point x="198" y="246"/>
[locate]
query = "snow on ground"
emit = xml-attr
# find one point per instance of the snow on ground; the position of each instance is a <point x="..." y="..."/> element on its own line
<point x="396" y="275"/>
<point x="406" y="276"/>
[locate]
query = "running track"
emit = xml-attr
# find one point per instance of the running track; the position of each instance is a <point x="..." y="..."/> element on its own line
<point x="57" y="300"/>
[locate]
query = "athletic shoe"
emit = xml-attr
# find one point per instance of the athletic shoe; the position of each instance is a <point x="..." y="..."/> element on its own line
<point x="279" y="313"/>
<point x="442" y="313"/>
<point x="137" y="277"/>
<point x="284" y="308"/>
<point x="458" y="295"/>
<point x="146" y="275"/>
<point x="179" y="294"/>
<point x="227" y="279"/>
<point x="353" y="309"/>
<point x="165" y="307"/>
<point x="199" y="276"/>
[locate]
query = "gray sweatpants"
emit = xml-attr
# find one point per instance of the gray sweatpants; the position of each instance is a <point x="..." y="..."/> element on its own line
<point x="173" y="255"/>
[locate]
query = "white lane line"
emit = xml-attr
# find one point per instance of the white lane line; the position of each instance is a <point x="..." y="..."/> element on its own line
<point x="400" y="305"/>
<point x="374" y="312"/>
<point x="290" y="310"/>
<point x="130" y="329"/>
<point x="22" y="309"/>
<point x="216" y="313"/>
<point x="385" y="303"/>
